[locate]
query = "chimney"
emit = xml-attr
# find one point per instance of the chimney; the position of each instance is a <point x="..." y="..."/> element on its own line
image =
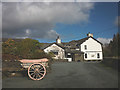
<point x="90" y="34"/>
<point x="58" y="40"/>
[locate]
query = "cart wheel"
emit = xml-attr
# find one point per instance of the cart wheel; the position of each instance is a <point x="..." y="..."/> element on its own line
<point x="36" y="71"/>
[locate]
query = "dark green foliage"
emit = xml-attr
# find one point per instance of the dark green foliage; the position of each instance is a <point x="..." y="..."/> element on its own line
<point x="26" y="48"/>
<point x="113" y="50"/>
<point x="9" y="47"/>
<point x="10" y="57"/>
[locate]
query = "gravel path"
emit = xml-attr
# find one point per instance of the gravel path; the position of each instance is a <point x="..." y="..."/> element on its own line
<point x="70" y="75"/>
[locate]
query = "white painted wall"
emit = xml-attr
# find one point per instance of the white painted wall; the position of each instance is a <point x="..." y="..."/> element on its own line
<point x="93" y="56"/>
<point x="61" y="53"/>
<point x="93" y="47"/>
<point x="69" y="59"/>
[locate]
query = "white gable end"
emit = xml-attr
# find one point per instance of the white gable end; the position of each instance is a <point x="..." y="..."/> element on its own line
<point x="53" y="47"/>
<point x="91" y="45"/>
<point x="56" y="49"/>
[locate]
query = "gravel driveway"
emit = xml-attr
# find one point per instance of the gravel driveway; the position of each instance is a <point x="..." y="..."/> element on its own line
<point x="70" y="75"/>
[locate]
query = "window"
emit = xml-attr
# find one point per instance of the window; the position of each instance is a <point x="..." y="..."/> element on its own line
<point x="85" y="47"/>
<point x="98" y="55"/>
<point x="85" y="55"/>
<point x="54" y="52"/>
<point x="77" y="45"/>
<point x="69" y="55"/>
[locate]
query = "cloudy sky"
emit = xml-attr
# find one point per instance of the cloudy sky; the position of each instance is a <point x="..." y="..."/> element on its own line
<point x="71" y="21"/>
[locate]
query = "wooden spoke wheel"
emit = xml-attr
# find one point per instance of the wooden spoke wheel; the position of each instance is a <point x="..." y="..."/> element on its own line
<point x="36" y="71"/>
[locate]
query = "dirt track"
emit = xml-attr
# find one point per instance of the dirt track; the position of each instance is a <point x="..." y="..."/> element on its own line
<point x="70" y="75"/>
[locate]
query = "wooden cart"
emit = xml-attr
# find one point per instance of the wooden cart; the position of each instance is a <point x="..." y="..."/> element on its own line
<point x="36" y="68"/>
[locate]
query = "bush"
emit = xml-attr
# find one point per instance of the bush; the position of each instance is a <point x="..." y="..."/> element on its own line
<point x="10" y="57"/>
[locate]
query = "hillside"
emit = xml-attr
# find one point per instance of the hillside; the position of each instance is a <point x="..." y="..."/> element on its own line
<point x="16" y="40"/>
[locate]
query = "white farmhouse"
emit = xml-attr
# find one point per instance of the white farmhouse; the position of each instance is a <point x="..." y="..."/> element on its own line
<point x="91" y="48"/>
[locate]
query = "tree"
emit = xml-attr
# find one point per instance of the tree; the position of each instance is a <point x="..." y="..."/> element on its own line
<point x="113" y="50"/>
<point x="27" y="47"/>
<point x="9" y="47"/>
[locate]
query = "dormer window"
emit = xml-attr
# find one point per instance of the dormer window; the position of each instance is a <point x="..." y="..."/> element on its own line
<point x="78" y="45"/>
<point x="85" y="47"/>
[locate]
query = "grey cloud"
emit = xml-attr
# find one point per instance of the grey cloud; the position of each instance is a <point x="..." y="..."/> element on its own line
<point x="40" y="18"/>
<point x="104" y="40"/>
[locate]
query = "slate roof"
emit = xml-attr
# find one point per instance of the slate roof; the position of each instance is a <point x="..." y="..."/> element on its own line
<point x="72" y="51"/>
<point x="84" y="39"/>
<point x="49" y="44"/>
<point x="72" y="45"/>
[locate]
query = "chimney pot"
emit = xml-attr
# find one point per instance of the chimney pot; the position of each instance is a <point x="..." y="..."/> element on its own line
<point x="90" y="34"/>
